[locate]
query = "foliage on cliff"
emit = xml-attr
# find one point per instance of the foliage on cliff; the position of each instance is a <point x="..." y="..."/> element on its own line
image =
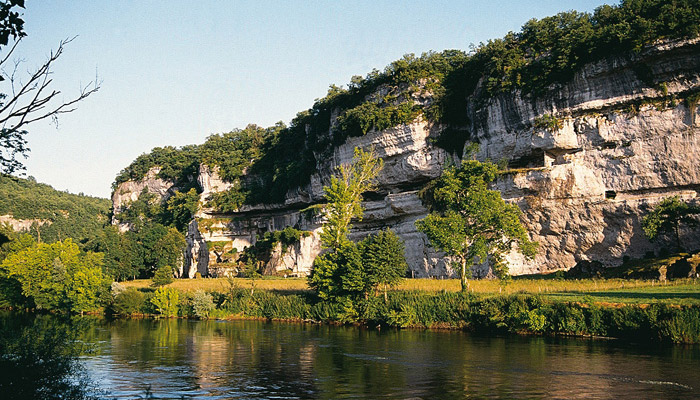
<point x="66" y="215"/>
<point x="266" y="163"/>
<point x="669" y="217"/>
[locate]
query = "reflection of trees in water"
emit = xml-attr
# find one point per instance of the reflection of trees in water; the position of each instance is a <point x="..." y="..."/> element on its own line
<point x="257" y="359"/>
<point x="39" y="358"/>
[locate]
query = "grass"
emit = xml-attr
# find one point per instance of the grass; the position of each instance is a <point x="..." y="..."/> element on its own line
<point x="614" y="291"/>
<point x="222" y="284"/>
<point x="687" y="293"/>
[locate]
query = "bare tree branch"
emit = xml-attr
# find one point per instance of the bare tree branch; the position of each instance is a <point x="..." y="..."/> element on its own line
<point x="32" y="101"/>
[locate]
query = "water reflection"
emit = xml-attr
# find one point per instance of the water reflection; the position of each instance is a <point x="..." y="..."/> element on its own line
<point x="39" y="357"/>
<point x="248" y="359"/>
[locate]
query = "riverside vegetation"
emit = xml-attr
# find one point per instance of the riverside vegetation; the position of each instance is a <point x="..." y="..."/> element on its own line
<point x="350" y="282"/>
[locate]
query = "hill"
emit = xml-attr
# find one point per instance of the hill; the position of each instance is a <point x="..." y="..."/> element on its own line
<point x="50" y="214"/>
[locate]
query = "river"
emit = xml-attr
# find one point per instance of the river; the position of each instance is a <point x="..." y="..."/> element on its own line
<point x="255" y="359"/>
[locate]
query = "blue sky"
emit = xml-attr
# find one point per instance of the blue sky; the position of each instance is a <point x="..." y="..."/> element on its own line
<point x="174" y="72"/>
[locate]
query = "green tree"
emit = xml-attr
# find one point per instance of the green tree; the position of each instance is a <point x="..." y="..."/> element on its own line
<point x="57" y="276"/>
<point x="154" y="245"/>
<point x="180" y="208"/>
<point x="668" y="217"/>
<point x="169" y="249"/>
<point x="383" y="260"/>
<point x="163" y="276"/>
<point x="339" y="271"/>
<point x="344" y="195"/>
<point x="121" y="262"/>
<point x="166" y="301"/>
<point x="470" y="222"/>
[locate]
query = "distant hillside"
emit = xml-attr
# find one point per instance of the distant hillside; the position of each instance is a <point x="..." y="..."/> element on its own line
<point x="42" y="210"/>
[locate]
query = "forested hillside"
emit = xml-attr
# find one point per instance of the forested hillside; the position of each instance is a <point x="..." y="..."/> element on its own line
<point x="51" y="214"/>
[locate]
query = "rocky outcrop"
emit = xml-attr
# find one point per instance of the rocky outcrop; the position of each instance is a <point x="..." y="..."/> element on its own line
<point x="22" y="225"/>
<point x="625" y="140"/>
<point x="196" y="253"/>
<point x="622" y="147"/>
<point x="130" y="191"/>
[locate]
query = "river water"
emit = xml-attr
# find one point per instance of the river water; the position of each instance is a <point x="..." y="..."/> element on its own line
<point x="254" y="359"/>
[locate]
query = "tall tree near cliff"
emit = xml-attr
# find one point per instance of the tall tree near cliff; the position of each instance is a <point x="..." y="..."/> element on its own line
<point x="344" y="195"/>
<point x="28" y="99"/>
<point x="668" y="217"/>
<point x="470" y="222"/>
<point x="340" y="271"/>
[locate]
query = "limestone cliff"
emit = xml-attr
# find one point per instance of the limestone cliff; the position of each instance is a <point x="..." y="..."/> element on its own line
<point x="621" y="142"/>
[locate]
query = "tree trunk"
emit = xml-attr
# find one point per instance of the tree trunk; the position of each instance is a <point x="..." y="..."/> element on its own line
<point x="463" y="273"/>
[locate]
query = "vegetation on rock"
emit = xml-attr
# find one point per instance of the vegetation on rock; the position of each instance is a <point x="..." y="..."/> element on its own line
<point x="668" y="217"/>
<point x="265" y="163"/>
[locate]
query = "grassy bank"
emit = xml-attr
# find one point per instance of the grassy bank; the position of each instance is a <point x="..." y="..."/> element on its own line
<point x="618" y="291"/>
<point x="635" y="310"/>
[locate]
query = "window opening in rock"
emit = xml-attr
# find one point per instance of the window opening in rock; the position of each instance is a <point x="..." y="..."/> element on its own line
<point x="610" y="194"/>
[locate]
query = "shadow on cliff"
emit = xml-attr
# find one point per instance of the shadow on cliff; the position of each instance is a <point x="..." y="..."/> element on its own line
<point x="619" y="220"/>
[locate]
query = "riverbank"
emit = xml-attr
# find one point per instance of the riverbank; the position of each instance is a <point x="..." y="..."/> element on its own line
<point x="640" y="311"/>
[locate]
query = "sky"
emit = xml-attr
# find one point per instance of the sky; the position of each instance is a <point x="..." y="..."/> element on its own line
<point x="175" y="72"/>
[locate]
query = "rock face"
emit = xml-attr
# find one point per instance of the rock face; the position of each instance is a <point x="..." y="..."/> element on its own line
<point x="22" y="225"/>
<point x="130" y="191"/>
<point x="624" y="144"/>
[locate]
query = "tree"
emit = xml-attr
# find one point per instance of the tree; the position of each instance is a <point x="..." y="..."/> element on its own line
<point x="180" y="208"/>
<point x="339" y="271"/>
<point x="344" y="195"/>
<point x="120" y="260"/>
<point x="383" y="260"/>
<point x="667" y="218"/>
<point x="470" y="222"/>
<point x="166" y="301"/>
<point x="57" y="276"/>
<point x="30" y="99"/>
<point x="163" y="276"/>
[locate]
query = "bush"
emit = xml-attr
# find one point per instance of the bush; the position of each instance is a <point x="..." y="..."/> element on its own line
<point x="128" y="301"/>
<point x="682" y="326"/>
<point x="202" y="304"/>
<point x="166" y="301"/>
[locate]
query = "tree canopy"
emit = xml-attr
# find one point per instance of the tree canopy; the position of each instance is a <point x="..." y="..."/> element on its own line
<point x="668" y="217"/>
<point x="56" y="276"/>
<point x="344" y="195"/>
<point x="469" y="221"/>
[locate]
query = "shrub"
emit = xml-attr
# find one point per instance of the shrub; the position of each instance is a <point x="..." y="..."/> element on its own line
<point x="548" y="122"/>
<point x="166" y="301"/>
<point x="202" y="304"/>
<point x="683" y="326"/>
<point x="404" y="317"/>
<point x="128" y="301"/>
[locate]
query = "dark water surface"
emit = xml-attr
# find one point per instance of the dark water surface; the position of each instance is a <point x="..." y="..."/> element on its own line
<point x="252" y="359"/>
